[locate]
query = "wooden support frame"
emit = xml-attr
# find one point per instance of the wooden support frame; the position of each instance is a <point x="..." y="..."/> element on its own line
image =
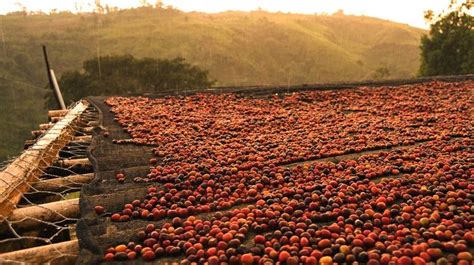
<point x="16" y="178"/>
<point x="28" y="217"/>
<point x="87" y="130"/>
<point x="79" y="162"/>
<point x="57" y="113"/>
<point x="45" y="126"/>
<point x="84" y="138"/>
<point x="63" y="183"/>
<point x="55" y="119"/>
<point x="43" y="254"/>
<point x="77" y="140"/>
<point x="37" y="133"/>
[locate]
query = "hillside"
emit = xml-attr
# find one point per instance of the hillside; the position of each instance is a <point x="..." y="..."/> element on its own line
<point x="237" y="48"/>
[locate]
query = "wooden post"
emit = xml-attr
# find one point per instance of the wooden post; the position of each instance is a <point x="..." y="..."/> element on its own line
<point x="45" y="126"/>
<point x="63" y="183"/>
<point x="93" y="123"/>
<point x="37" y="133"/>
<point x="41" y="255"/>
<point x="84" y="138"/>
<point x="66" y="163"/>
<point x="87" y="130"/>
<point x="54" y="119"/>
<point x="57" y="113"/>
<point x="27" y="217"/>
<point x="28" y="143"/>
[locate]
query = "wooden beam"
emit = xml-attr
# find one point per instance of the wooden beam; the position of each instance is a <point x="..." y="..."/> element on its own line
<point x="45" y="126"/>
<point x="55" y="119"/>
<point x="63" y="183"/>
<point x="27" y="217"/>
<point x="87" y="130"/>
<point x="93" y="123"/>
<point x="16" y="178"/>
<point x="28" y="143"/>
<point x="80" y="162"/>
<point x="84" y="138"/>
<point x="37" y="133"/>
<point x="41" y="255"/>
<point x="57" y="113"/>
<point x="77" y="140"/>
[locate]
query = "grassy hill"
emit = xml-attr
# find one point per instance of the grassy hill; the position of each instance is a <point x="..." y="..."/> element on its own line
<point x="238" y="48"/>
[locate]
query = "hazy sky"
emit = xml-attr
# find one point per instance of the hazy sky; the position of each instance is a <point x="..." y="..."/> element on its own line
<point x="404" y="11"/>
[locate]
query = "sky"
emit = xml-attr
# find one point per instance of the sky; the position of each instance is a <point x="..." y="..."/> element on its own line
<point x="403" y="11"/>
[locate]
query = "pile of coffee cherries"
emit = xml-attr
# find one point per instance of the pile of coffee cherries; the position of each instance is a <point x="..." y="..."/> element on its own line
<point x="227" y="130"/>
<point x="227" y="196"/>
<point x="326" y="212"/>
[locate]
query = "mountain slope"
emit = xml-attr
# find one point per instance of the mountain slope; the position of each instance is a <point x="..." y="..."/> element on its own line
<point x="238" y="48"/>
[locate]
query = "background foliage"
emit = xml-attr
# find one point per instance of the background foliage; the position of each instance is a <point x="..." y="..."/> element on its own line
<point x="449" y="48"/>
<point x="120" y="75"/>
<point x="237" y="48"/>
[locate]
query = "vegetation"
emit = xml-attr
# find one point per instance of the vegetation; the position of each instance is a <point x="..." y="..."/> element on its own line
<point x="17" y="118"/>
<point x="238" y="48"/>
<point x="119" y="75"/>
<point x="381" y="73"/>
<point x="449" y="48"/>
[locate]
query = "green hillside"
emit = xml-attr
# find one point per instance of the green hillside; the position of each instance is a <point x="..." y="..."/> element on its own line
<point x="238" y="48"/>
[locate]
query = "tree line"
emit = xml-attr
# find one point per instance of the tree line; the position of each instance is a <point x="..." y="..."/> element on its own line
<point x="449" y="47"/>
<point x="125" y="74"/>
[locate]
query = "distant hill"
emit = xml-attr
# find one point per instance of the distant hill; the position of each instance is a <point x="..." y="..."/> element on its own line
<point x="238" y="48"/>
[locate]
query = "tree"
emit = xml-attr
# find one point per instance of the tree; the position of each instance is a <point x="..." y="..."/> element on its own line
<point x="122" y="75"/>
<point x="448" y="50"/>
<point x="381" y="73"/>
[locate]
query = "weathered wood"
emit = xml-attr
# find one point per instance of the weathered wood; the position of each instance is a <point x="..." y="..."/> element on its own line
<point x="77" y="140"/>
<point x="57" y="113"/>
<point x="43" y="254"/>
<point x="93" y="123"/>
<point x="55" y="119"/>
<point x="29" y="143"/>
<point x="83" y="138"/>
<point x="79" y="162"/>
<point x="28" y="217"/>
<point x="37" y="133"/>
<point x="15" y="179"/>
<point x="45" y="126"/>
<point x="87" y="130"/>
<point x="64" y="183"/>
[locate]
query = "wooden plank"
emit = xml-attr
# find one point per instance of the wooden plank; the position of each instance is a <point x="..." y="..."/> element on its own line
<point x="41" y="255"/>
<point x="15" y="179"/>
<point x="63" y="183"/>
<point x="27" y="217"/>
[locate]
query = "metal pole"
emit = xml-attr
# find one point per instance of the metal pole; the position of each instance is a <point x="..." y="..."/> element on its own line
<point x="57" y="91"/>
<point x="48" y="72"/>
